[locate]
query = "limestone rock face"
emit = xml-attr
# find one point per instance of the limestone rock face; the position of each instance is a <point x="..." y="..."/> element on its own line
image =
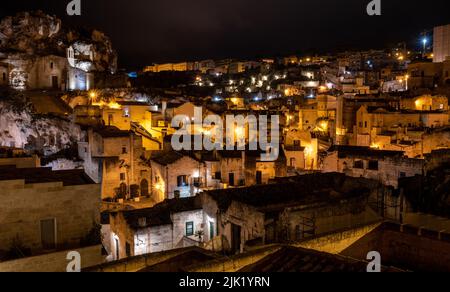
<point x="94" y="47"/>
<point x="20" y="127"/>
<point x="32" y="34"/>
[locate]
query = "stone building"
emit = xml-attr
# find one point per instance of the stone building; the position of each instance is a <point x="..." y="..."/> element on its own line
<point x="87" y="58"/>
<point x="385" y="166"/>
<point x="176" y="175"/>
<point x="385" y="119"/>
<point x="295" y="158"/>
<point x="425" y="103"/>
<point x="259" y="172"/>
<point x="301" y="149"/>
<point x="229" y="169"/>
<point x="424" y="74"/>
<point x="45" y="215"/>
<point x="405" y="248"/>
<point x="232" y="168"/>
<point x="441" y="43"/>
<point x="34" y="45"/>
<point x="290" y="209"/>
<point x="116" y="160"/>
<point x="36" y="72"/>
<point x="172" y="224"/>
<point x="308" y="116"/>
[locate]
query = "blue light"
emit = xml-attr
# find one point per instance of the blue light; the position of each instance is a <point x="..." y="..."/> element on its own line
<point x="133" y="75"/>
<point x="424" y="41"/>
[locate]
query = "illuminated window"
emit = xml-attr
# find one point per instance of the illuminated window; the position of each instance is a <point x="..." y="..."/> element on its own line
<point x="126" y="113"/>
<point x="182" y="181"/>
<point x="189" y="228"/>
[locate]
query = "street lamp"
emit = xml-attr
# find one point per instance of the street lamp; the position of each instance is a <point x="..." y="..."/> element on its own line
<point x="424" y="41"/>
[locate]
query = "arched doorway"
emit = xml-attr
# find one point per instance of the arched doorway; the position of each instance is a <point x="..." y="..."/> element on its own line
<point x="144" y="188"/>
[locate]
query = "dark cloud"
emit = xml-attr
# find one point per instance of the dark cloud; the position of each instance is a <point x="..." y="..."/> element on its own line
<point x="146" y="31"/>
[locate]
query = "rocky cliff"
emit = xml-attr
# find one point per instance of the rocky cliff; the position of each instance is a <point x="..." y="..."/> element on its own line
<point x="21" y="127"/>
<point x="38" y="34"/>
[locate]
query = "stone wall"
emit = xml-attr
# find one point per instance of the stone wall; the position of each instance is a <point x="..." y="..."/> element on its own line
<point x="138" y="263"/>
<point x="115" y="161"/>
<point x="388" y="173"/>
<point x="179" y="226"/>
<point x="232" y="165"/>
<point x="236" y="263"/>
<point x="168" y="178"/>
<point x="405" y="246"/>
<point x="337" y="241"/>
<point x="22" y="162"/>
<point x="155" y="238"/>
<point x="45" y="69"/>
<point x="75" y="208"/>
<point x="54" y="262"/>
<point x="326" y="219"/>
<point x="246" y="217"/>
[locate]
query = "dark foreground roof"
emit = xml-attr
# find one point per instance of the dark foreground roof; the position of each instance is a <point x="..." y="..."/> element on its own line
<point x="358" y="151"/>
<point x="301" y="190"/>
<point x="176" y="264"/>
<point x="160" y="214"/>
<point x="291" y="259"/>
<point x="112" y="132"/>
<point x="45" y="175"/>
<point x="167" y="158"/>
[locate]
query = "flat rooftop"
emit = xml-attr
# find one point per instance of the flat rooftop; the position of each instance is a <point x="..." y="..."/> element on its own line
<point x="45" y="175"/>
<point x="305" y="190"/>
<point x="358" y="151"/>
<point x="159" y="214"/>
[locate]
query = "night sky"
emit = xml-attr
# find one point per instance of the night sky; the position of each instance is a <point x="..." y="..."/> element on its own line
<point x="146" y="31"/>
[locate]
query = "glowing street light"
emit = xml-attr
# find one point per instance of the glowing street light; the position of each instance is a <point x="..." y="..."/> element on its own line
<point x="93" y="94"/>
<point x="425" y="42"/>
